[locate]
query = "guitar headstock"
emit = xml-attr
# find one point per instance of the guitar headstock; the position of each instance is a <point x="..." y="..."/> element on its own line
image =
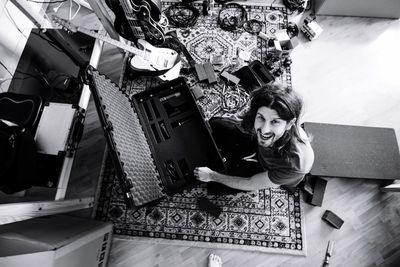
<point x="66" y="25"/>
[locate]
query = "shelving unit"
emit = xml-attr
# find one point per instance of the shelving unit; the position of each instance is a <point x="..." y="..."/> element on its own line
<point x="22" y="206"/>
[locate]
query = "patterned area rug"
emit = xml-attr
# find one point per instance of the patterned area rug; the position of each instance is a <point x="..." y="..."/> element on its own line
<point x="266" y="220"/>
<point x="206" y="40"/>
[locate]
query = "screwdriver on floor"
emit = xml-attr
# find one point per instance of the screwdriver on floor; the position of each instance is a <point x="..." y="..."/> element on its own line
<point x="328" y="254"/>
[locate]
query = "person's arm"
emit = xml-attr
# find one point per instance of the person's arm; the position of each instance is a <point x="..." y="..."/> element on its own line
<point x="255" y="182"/>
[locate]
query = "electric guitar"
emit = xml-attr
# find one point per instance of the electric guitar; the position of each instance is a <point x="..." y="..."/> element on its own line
<point x="148" y="60"/>
<point x="138" y="19"/>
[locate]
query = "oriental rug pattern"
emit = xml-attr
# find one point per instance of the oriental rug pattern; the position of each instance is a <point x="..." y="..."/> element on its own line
<point x="267" y="220"/>
<point x="206" y="41"/>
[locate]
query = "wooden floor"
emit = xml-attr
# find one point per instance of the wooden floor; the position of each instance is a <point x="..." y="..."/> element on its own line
<point x="349" y="75"/>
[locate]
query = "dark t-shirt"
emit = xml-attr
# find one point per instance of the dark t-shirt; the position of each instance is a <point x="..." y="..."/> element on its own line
<point x="289" y="171"/>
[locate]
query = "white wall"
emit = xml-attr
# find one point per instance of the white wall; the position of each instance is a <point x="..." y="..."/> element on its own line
<point x="13" y="38"/>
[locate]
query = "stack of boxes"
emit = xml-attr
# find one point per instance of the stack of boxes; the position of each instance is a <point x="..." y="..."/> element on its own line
<point x="282" y="43"/>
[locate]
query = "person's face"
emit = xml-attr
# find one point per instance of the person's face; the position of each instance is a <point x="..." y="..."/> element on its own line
<point x="269" y="126"/>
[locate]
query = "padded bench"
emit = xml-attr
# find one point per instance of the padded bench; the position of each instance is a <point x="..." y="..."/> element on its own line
<point x="344" y="151"/>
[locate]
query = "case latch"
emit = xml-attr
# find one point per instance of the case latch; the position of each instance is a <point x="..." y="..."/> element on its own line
<point x="76" y="132"/>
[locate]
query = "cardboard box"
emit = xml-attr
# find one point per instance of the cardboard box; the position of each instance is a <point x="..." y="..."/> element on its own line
<point x="59" y="241"/>
<point x="282" y="37"/>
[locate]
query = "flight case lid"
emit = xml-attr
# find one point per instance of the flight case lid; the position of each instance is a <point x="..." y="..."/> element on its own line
<point x="128" y="145"/>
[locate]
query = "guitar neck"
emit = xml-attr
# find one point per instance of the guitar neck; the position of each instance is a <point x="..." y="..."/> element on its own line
<point x="130" y="15"/>
<point x="111" y="41"/>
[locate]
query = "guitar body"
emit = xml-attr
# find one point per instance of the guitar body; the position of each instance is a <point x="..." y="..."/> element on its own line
<point x="138" y="19"/>
<point x="166" y="75"/>
<point x="147" y="60"/>
<point x="158" y="60"/>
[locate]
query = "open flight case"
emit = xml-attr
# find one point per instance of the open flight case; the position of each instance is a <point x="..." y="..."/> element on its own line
<point x="157" y="137"/>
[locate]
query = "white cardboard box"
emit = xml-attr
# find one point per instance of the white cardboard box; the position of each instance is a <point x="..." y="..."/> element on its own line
<point x="59" y="241"/>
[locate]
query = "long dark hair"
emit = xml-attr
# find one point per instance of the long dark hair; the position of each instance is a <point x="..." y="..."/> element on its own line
<point x="287" y="103"/>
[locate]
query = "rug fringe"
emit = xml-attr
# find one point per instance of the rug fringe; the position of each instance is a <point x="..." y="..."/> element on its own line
<point x="211" y="245"/>
<point x="303" y="222"/>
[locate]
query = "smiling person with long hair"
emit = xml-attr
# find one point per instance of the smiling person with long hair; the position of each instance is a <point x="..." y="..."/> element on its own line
<point x="267" y="148"/>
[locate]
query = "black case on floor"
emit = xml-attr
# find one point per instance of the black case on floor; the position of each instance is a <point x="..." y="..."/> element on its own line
<point x="18" y="153"/>
<point x="157" y="137"/>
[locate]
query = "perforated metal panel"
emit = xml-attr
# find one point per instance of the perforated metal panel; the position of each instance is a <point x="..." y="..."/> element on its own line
<point x="131" y="146"/>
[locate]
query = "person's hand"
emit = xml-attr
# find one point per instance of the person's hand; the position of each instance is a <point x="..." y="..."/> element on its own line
<point x="204" y="174"/>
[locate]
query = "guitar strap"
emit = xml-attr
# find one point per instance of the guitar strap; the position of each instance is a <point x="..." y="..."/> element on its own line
<point x="172" y="41"/>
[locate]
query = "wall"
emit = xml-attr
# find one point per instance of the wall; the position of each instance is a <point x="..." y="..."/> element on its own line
<point x="14" y="33"/>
